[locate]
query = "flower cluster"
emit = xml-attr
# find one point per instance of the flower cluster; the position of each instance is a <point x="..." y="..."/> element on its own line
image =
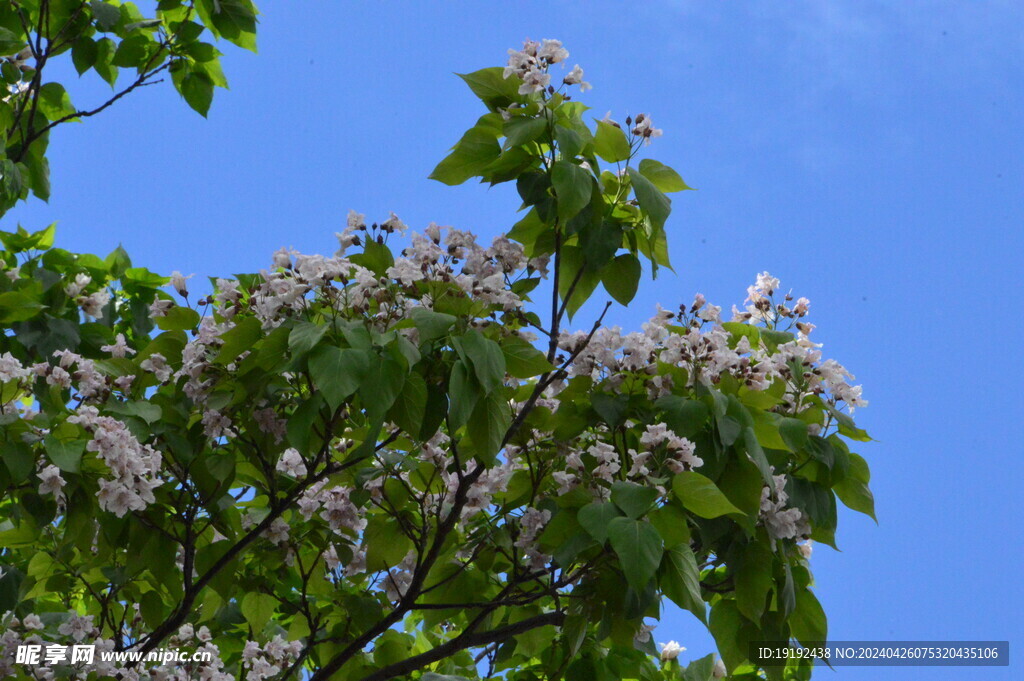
<point x="270" y="659"/>
<point x="781" y="521"/>
<point x="136" y="467"/>
<point x="531" y="63"/>
<point x="699" y="343"/>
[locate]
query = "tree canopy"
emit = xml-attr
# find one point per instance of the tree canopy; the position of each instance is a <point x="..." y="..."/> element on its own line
<point x="395" y="461"/>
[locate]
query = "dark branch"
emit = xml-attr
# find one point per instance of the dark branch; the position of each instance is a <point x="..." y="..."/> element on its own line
<point x="462" y="642"/>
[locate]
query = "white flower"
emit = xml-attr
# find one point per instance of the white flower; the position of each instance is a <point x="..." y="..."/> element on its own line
<point x="11" y="369"/>
<point x="670" y="650"/>
<point x="575" y="77"/>
<point x="119" y="348"/>
<point x="179" y="284"/>
<point x="160" y="307"/>
<point x="76" y="626"/>
<point x="552" y="51"/>
<point x="534" y="81"/>
<point x="644" y="635"/>
<point x="50" y="481"/>
<point x="644" y="128"/>
<point x="518" y="62"/>
<point x="806" y="549"/>
<point x="282" y="258"/>
<point x="78" y="285"/>
<point x="277" y="533"/>
<point x="157" y="365"/>
<point x="355" y="220"/>
<point x="393" y="224"/>
<point x="93" y="304"/>
<point x="291" y="463"/>
<point x="711" y="313"/>
<point x="719" y="671"/>
<point x="32" y="622"/>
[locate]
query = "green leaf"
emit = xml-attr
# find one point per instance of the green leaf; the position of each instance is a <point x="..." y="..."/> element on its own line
<point x="773" y="339"/>
<point x="671" y="523"/>
<point x="679" y="579"/>
<point x="304" y="336"/>
<point x="847" y="427"/>
<point x="464" y="392"/>
<point x="522" y="360"/>
<point x="701" y="496"/>
<point x="573" y="187"/>
<point x="787" y="597"/>
<point x="595" y="516"/>
<point x="300" y="423"/>
<point x="147" y="411"/>
<point x="410" y="404"/>
<point x="754" y="580"/>
<point x="685" y="417"/>
<point x="145" y="23"/>
<point x="241" y="337"/>
<point x="54" y="101"/>
<point x="106" y="15"/>
<point x="817" y="502"/>
<point x="572" y="263"/>
<point x="639" y="548"/>
<point x="701" y="669"/>
<point x="794" y="433"/>
<point x="661" y="176"/>
<point x="468" y="158"/>
<point x="522" y="129"/>
<point x="611" y="408"/>
<point x="257" y="609"/>
<point x="491" y="86"/>
<point x="133" y="51"/>
<point x="178" y="319"/>
<point x="634" y="500"/>
<point x="383" y="379"/>
<point x="386" y="544"/>
<point x="731" y="633"/>
<point x="18" y="306"/>
<point x="856" y="496"/>
<point x="338" y="372"/>
<point x="10" y="42"/>
<point x="485" y="356"/>
<point x="197" y="89"/>
<point x="654" y="203"/>
<point x="375" y="257"/>
<point x="757" y="455"/>
<point x="431" y="325"/>
<point x="65" y="454"/>
<point x="621" y="277"/>
<point x="599" y="241"/>
<point x="104" y="66"/>
<point x="808" y="623"/>
<point x="490" y="421"/>
<point x="570" y="143"/>
<point x="610" y="143"/>
<point x="118" y="262"/>
<point x="533" y="189"/>
<point x="18" y="459"/>
<point x="234" y="20"/>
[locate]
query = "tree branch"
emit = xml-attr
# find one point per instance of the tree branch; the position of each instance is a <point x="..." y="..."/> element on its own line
<point x="463" y="641"/>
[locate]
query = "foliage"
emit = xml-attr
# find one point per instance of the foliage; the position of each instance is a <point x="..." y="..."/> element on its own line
<point x="103" y="36"/>
<point x="365" y="466"/>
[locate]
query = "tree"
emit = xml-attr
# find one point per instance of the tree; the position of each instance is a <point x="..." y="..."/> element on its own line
<point x="384" y="464"/>
<point x="103" y="36"/>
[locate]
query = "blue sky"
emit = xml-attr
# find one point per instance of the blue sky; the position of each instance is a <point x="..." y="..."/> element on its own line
<point x="868" y="154"/>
